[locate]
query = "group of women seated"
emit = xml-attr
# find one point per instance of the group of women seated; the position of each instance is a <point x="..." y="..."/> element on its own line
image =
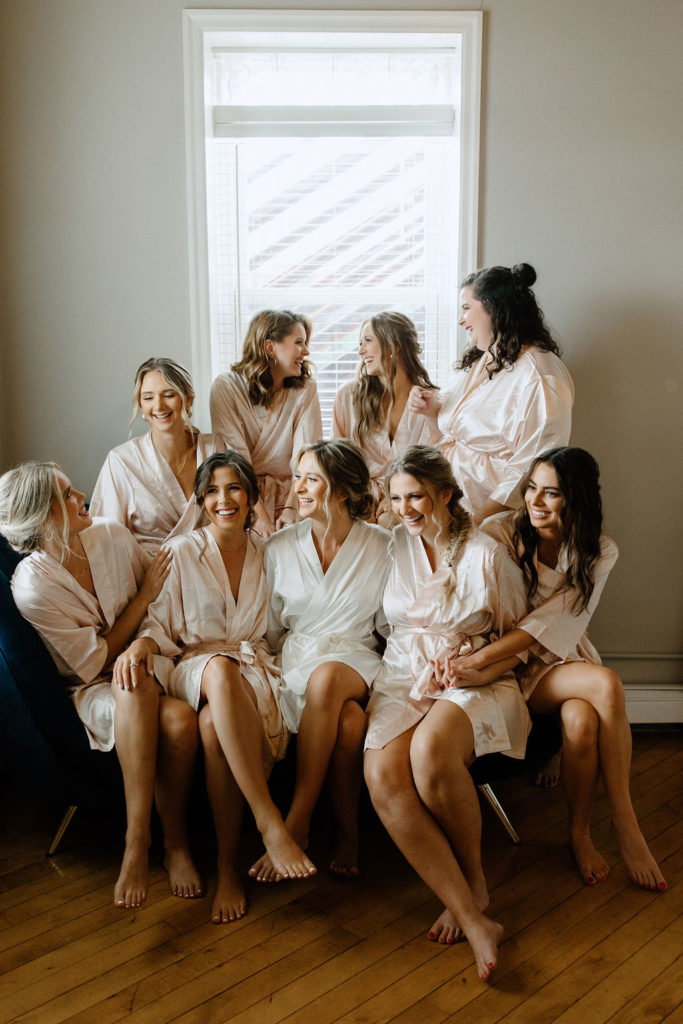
<point x="235" y="588"/>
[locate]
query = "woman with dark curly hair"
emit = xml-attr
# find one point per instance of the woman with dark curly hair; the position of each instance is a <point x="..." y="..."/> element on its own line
<point x="512" y="396"/>
<point x="449" y="588"/>
<point x="326" y="576"/>
<point x="203" y="638"/>
<point x="267" y="406"/>
<point x="556" y="538"/>
<point x="373" y="409"/>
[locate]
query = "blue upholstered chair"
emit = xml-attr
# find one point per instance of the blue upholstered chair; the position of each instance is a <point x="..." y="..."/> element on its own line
<point x="43" y="740"/>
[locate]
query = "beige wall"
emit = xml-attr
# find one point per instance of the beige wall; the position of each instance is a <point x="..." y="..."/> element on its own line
<point x="581" y="176"/>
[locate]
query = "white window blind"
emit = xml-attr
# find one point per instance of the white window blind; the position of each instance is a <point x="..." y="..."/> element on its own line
<point x="333" y="186"/>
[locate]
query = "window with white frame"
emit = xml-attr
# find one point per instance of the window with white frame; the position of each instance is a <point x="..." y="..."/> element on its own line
<point x="333" y="164"/>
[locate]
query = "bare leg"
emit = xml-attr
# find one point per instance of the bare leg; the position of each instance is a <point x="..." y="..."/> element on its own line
<point x="425" y="846"/>
<point x="602" y="688"/>
<point x="240" y="733"/>
<point x="177" y="751"/>
<point x="345" y="778"/>
<point x="329" y="687"/>
<point x="137" y="731"/>
<point x="440" y="754"/>
<point x="230" y="902"/>
<point x="580" y="770"/>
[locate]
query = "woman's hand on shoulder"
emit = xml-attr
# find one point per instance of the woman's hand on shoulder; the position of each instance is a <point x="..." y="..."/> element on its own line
<point x="127" y="667"/>
<point x="424" y="402"/>
<point x="287" y="517"/>
<point x="155" y="575"/>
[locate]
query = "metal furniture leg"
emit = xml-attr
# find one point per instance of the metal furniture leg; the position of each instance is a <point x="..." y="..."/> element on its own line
<point x="63" y="826"/>
<point x="493" y="801"/>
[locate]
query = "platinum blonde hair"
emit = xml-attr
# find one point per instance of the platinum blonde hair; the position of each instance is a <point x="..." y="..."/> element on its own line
<point x="30" y="497"/>
<point x="177" y="378"/>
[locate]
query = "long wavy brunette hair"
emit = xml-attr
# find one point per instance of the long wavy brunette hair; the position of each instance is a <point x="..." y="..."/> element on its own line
<point x="254" y="366"/>
<point x="578" y="480"/>
<point x="399" y="345"/>
<point x="516" y="318"/>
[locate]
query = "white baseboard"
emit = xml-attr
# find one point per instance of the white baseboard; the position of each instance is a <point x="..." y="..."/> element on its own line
<point x="653" y="684"/>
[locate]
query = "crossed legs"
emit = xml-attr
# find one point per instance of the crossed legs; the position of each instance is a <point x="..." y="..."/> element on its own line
<point x="603" y="716"/>
<point x="392" y="775"/>
<point x="330" y="736"/>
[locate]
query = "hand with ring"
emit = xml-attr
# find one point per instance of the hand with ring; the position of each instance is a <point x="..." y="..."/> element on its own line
<point x="127" y="672"/>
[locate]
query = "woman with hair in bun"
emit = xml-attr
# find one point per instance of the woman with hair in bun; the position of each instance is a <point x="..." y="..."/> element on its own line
<point x="326" y="577"/>
<point x="85" y="587"/>
<point x="146" y="482"/>
<point x="267" y="406"/>
<point x="449" y="589"/>
<point x="373" y="409"/>
<point x="512" y="396"/>
<point x="556" y="537"/>
<point x="208" y="624"/>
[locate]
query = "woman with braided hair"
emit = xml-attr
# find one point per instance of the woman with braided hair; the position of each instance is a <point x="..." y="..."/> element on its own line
<point x="512" y="394"/>
<point x="450" y="588"/>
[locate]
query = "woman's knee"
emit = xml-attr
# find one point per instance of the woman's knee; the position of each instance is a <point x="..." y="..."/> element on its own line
<point x="610" y="700"/>
<point x="146" y="689"/>
<point x="220" y="672"/>
<point x="383" y="776"/>
<point x="352" y="726"/>
<point x="580" y="723"/>
<point x="178" y="722"/>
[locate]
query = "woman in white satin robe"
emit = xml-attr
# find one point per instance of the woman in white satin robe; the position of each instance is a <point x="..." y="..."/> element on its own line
<point x="204" y="640"/>
<point x="373" y="410"/>
<point x="556" y="538"/>
<point x="449" y="591"/>
<point x="326" y="577"/>
<point x="512" y="395"/>
<point x="86" y="587"/>
<point x="266" y="407"/>
<point x="146" y="483"/>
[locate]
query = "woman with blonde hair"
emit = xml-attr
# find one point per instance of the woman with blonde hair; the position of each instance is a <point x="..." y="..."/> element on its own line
<point x="373" y="409"/>
<point x="146" y="482"/>
<point x="326" y="576"/>
<point x="267" y="406"/>
<point x="208" y="625"/>
<point x="449" y="589"/>
<point x="85" y="587"/>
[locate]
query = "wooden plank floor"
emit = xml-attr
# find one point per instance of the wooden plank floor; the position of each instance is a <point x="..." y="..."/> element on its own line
<point x="325" y="950"/>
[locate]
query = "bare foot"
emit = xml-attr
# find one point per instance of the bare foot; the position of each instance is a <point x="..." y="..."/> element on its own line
<point x="548" y="774"/>
<point x="640" y="864"/>
<point x="183" y="877"/>
<point x="283" y="857"/>
<point x="230" y="903"/>
<point x="592" y="866"/>
<point x="345" y="858"/>
<point x="447" y="929"/>
<point x="130" y="890"/>
<point x="484" y="936"/>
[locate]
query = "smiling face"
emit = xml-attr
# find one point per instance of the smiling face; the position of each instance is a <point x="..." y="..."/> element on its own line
<point x="77" y="516"/>
<point x="310" y="487"/>
<point x="288" y="354"/>
<point x="544" y="501"/>
<point x="226" y="503"/>
<point x="370" y="351"/>
<point x="421" y="514"/>
<point x="160" y="403"/>
<point x="475" y="320"/>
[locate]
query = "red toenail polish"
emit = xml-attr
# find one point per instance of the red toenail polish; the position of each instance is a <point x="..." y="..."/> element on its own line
<point x="431" y="935"/>
<point x="662" y="885"/>
<point x="491" y="966"/>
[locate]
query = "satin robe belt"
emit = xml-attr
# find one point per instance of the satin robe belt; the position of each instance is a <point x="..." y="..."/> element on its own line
<point x="449" y="443"/>
<point x="322" y="645"/>
<point x="429" y="645"/>
<point x="244" y="649"/>
<point x="274" y="492"/>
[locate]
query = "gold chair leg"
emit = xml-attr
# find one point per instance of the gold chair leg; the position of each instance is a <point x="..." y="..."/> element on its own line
<point x="497" y="807"/>
<point x="63" y="826"/>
